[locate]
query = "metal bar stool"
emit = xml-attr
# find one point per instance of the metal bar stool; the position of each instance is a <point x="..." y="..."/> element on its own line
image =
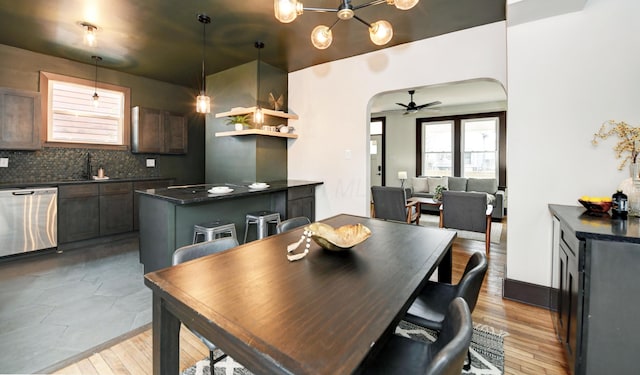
<point x="213" y="229"/>
<point x="262" y="219"/>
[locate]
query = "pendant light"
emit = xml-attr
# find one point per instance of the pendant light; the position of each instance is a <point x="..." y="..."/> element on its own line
<point x="96" y="97"/>
<point x="258" y="116"/>
<point x="90" y="37"/>
<point x="380" y="32"/>
<point x="203" y="102"/>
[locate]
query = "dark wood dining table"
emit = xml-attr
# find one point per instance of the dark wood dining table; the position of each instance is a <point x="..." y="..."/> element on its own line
<point x="322" y="314"/>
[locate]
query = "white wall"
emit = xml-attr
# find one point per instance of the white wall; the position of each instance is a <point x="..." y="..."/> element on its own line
<point x="332" y="101"/>
<point x="567" y="75"/>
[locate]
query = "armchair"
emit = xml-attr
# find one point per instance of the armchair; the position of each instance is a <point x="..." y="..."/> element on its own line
<point x="467" y="211"/>
<point x="390" y="203"/>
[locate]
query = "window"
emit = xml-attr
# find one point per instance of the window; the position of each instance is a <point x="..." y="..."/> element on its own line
<point x="73" y="121"/>
<point x="470" y="145"/>
<point x="437" y="146"/>
<point x="479" y="137"/>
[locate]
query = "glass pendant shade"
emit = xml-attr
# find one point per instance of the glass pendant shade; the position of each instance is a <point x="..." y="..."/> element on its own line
<point x="95" y="100"/>
<point x="405" y="4"/>
<point x="287" y="10"/>
<point x="203" y="103"/>
<point x="90" y="38"/>
<point x="381" y="32"/>
<point x="258" y="116"/>
<point x="321" y="37"/>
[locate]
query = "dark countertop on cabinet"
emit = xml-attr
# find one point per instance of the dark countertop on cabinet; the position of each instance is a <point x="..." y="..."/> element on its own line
<point x="20" y="185"/>
<point x="598" y="227"/>
<point x="189" y="194"/>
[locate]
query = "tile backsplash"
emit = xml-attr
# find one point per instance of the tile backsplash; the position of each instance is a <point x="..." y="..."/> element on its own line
<point x="60" y="164"/>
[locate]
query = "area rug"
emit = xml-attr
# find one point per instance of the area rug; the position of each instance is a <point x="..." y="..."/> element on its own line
<point x="433" y="221"/>
<point x="487" y="352"/>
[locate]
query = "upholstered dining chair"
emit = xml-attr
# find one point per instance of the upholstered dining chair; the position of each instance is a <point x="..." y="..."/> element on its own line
<point x="190" y="252"/>
<point x="467" y="211"/>
<point x="292" y="223"/>
<point x="445" y="356"/>
<point x="430" y="307"/>
<point x="390" y="203"/>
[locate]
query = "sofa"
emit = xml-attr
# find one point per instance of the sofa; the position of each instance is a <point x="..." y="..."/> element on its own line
<point x="425" y="187"/>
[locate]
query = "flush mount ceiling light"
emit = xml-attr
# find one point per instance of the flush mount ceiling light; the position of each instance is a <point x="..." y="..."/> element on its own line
<point x="203" y="102"/>
<point x="96" y="97"/>
<point x="89" y="34"/>
<point x="380" y="32"/>
<point x="258" y="116"/>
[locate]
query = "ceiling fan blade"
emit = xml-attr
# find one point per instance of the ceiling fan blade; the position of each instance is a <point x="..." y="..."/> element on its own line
<point x="402" y="105"/>
<point x="428" y="104"/>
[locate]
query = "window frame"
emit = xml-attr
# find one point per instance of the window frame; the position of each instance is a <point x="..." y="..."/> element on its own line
<point x="463" y="143"/>
<point x="451" y="151"/>
<point x="45" y="77"/>
<point x="501" y="173"/>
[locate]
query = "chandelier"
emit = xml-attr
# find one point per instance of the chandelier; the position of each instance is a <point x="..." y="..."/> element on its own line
<point x="380" y="31"/>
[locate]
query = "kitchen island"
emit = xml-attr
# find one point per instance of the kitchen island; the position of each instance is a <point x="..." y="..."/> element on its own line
<point x="167" y="216"/>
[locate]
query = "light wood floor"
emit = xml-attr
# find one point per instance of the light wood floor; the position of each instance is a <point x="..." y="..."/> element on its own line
<point x="530" y="348"/>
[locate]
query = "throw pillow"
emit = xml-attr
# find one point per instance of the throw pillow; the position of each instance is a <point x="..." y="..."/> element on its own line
<point x="435" y="181"/>
<point x="420" y="184"/>
<point x="487" y="185"/>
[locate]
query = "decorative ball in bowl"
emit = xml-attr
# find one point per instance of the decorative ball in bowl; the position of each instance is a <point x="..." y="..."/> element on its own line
<point x="338" y="239"/>
<point x="596" y="205"/>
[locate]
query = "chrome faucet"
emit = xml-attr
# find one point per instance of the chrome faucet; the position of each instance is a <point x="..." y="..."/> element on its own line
<point x="89" y="169"/>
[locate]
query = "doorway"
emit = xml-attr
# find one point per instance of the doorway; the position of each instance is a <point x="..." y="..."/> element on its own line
<point x="377" y="151"/>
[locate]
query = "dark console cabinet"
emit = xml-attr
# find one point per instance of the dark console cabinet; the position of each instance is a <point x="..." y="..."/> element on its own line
<point x="597" y="268"/>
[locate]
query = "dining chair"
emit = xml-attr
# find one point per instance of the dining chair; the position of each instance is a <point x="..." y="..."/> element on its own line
<point x="445" y="356"/>
<point x="292" y="223"/>
<point x="200" y="249"/>
<point x="467" y="211"/>
<point x="390" y="203"/>
<point x="430" y="307"/>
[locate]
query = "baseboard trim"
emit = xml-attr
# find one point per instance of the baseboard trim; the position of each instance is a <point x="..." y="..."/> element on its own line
<point x="531" y="294"/>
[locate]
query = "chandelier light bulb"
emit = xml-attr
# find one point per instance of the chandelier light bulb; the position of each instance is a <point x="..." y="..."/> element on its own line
<point x="381" y="32"/>
<point x="287" y="10"/>
<point x="405" y="4"/>
<point x="321" y="37"/>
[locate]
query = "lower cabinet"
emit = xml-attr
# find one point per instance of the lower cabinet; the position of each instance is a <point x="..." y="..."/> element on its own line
<point x="116" y="208"/>
<point x="597" y="297"/>
<point x="78" y="212"/>
<point x="301" y="201"/>
<point x="93" y="209"/>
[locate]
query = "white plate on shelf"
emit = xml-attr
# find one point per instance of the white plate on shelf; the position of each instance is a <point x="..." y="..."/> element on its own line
<point x="258" y="186"/>
<point x="220" y="190"/>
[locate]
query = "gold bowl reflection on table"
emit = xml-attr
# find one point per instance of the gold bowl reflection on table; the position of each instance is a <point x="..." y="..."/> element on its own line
<point x="337" y="239"/>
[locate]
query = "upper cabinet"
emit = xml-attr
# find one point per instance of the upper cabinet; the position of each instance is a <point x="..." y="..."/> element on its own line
<point x="158" y="132"/>
<point x="20" y="120"/>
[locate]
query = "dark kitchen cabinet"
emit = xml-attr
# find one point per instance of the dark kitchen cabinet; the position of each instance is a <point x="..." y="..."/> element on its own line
<point x="116" y="208"/>
<point x="158" y="132"/>
<point x="144" y="185"/>
<point x="301" y="201"/>
<point x="20" y="120"/>
<point x="568" y="296"/>
<point x="78" y="212"/>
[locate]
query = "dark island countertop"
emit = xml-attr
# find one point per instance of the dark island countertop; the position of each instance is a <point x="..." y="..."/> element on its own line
<point x="598" y="227"/>
<point x="190" y="194"/>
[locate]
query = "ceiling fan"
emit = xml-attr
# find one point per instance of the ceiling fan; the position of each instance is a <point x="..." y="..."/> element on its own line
<point x="413" y="108"/>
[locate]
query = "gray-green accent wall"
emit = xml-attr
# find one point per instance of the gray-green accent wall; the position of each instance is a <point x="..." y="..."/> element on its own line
<point x="20" y="69"/>
<point x="246" y="158"/>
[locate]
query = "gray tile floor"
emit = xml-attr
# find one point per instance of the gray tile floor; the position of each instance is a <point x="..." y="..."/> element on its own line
<point x="56" y="306"/>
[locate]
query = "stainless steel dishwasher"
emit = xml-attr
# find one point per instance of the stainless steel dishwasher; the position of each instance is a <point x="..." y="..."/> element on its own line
<point x="28" y="219"/>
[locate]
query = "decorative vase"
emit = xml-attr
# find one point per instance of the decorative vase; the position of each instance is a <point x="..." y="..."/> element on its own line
<point x="633" y="190"/>
<point x="239" y="127"/>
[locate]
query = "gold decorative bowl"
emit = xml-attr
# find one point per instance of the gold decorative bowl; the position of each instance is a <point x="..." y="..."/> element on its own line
<point x="343" y="238"/>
